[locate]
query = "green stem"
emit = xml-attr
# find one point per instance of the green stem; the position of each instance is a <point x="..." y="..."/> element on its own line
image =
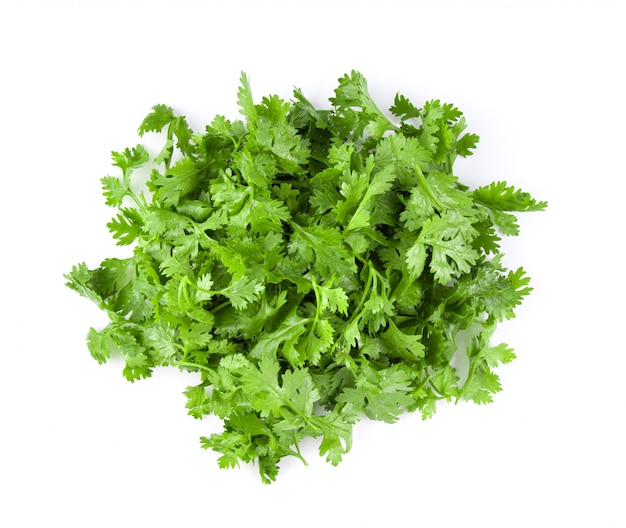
<point x="427" y="189"/>
<point x="317" y="307"/>
<point x="237" y="144"/>
<point x="182" y="293"/>
<point x="193" y="365"/>
<point x="357" y="313"/>
<point x="220" y="306"/>
<point x="303" y="416"/>
<point x="170" y="135"/>
<point x="287" y="403"/>
<point x="135" y="199"/>
<point x="297" y="453"/>
<point x="366" y="293"/>
<point x="470" y="375"/>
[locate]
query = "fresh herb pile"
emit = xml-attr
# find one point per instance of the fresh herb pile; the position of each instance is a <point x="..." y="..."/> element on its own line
<point x="311" y="265"/>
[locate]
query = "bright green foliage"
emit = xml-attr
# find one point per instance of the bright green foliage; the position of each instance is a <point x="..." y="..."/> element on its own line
<point x="313" y="266"/>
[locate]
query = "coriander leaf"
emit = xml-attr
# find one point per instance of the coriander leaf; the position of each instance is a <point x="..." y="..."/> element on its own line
<point x="179" y="181"/>
<point x="449" y="237"/>
<point x="465" y="144"/>
<point x="445" y="382"/>
<point x="503" y="197"/>
<point x="282" y="340"/>
<point x="245" y="101"/>
<point x="352" y="93"/>
<point x="405" y="346"/>
<point x="242" y="291"/>
<point x="404" y="108"/>
<point x="98" y="345"/>
<point x="380" y="394"/>
<point x="126" y="227"/>
<point x="500" y="198"/>
<point x="80" y="280"/>
<point x="130" y="158"/>
<point x="160" y="116"/>
<point x="324" y="247"/>
<point x="198" y="401"/>
<point x="114" y="191"/>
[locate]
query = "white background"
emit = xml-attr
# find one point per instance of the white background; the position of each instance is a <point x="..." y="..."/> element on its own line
<point x="542" y="85"/>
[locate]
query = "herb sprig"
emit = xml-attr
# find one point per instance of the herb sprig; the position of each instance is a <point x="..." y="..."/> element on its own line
<point x="311" y="265"/>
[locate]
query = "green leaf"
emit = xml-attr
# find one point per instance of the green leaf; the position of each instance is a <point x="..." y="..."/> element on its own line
<point x="245" y="101"/>
<point x="203" y="290"/>
<point x="380" y="183"/>
<point x="282" y="340"/>
<point x="497" y="355"/>
<point x="130" y="159"/>
<point x="179" y="181"/>
<point x="156" y="120"/>
<point x="162" y="339"/>
<point x="382" y="395"/>
<point x="333" y="299"/>
<point x="481" y="387"/>
<point x="353" y="92"/>
<point x="298" y="387"/>
<point x="445" y="382"/>
<point x="126" y="227"/>
<point x="198" y="401"/>
<point x="318" y="341"/>
<point x="80" y="280"/>
<point x="399" y="152"/>
<point x="98" y="345"/>
<point x="466" y="144"/>
<point x="113" y="190"/>
<point x="449" y="237"/>
<point x="405" y="346"/>
<point x="242" y="292"/>
<point x="256" y="169"/>
<point x="325" y="248"/>
<point x="502" y="197"/>
<point x="337" y="431"/>
<point x="404" y="108"/>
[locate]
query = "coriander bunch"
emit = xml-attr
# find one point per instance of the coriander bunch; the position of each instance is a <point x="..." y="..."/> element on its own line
<point x="313" y="266"/>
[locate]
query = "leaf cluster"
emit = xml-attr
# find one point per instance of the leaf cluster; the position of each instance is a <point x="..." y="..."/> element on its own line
<point x="313" y="266"/>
